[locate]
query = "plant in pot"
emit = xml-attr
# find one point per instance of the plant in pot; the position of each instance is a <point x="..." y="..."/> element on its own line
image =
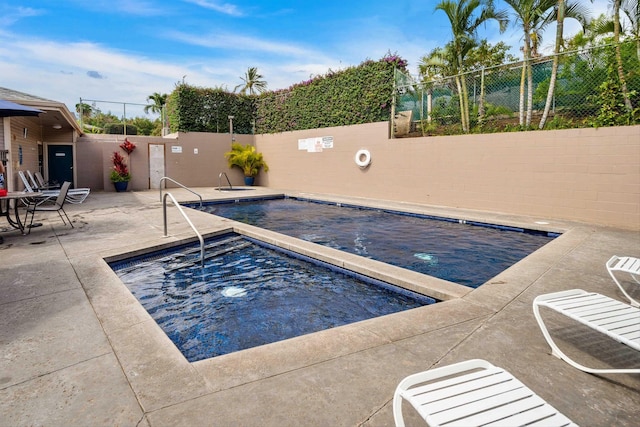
<point x="120" y="175"/>
<point x="248" y="159"/>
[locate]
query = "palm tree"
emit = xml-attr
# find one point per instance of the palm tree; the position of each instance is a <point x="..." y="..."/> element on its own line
<point x="616" y="39"/>
<point x="439" y="64"/>
<point x="84" y="110"/>
<point x="533" y="16"/>
<point x="563" y="8"/>
<point x="159" y="99"/>
<point x="252" y="82"/>
<point x="632" y="10"/>
<point x="464" y="22"/>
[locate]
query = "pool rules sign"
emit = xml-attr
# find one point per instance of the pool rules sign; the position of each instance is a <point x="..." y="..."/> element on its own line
<point x="315" y="145"/>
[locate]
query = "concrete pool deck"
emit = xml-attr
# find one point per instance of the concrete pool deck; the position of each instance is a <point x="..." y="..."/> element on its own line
<point x="78" y="350"/>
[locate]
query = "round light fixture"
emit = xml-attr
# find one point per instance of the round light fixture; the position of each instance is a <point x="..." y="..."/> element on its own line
<point x="57" y="126"/>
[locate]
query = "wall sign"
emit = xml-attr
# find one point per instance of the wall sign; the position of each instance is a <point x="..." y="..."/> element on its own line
<point x="176" y="149"/>
<point x="315" y="145"/>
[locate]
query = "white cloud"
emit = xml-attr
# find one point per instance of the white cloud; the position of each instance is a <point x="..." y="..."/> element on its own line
<point x="66" y="72"/>
<point x="237" y="42"/>
<point x="10" y="15"/>
<point x="226" y="8"/>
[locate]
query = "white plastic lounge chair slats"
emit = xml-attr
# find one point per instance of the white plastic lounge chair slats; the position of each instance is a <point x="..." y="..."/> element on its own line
<point x="473" y="393"/>
<point x="628" y="265"/>
<point x="74" y="195"/>
<point x="613" y="318"/>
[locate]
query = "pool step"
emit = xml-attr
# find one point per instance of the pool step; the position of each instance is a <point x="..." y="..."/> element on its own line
<point x="186" y="258"/>
<point x="224" y="246"/>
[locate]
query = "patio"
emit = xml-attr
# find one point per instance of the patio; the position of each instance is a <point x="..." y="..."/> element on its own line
<point x="79" y="350"/>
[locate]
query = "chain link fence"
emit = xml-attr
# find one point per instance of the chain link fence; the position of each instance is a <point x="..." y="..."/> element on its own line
<point x="510" y="97"/>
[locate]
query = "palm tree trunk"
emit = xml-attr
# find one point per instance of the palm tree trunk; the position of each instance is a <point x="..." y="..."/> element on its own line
<point x="527" y="61"/>
<point x="529" y="94"/>
<point x="616" y="37"/>
<point x="554" y="67"/>
<point x="522" y="80"/>
<point x="481" y="101"/>
<point x="464" y="97"/>
<point x="465" y="101"/>
<point x="461" y="101"/>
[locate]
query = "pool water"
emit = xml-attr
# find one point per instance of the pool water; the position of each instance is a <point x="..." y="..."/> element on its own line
<point x="464" y="253"/>
<point x="249" y="294"/>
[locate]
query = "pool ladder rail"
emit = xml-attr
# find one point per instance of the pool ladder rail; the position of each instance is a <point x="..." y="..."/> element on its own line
<point x="166" y="178"/>
<point x="177" y="205"/>
<point x="184" y="215"/>
<point x="220" y="181"/>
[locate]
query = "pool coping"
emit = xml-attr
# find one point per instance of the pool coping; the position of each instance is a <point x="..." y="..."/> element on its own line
<point x="124" y="315"/>
<point x="83" y="351"/>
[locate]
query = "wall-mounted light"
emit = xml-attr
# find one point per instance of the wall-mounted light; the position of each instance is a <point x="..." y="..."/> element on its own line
<point x="231" y="127"/>
<point x="57" y="126"/>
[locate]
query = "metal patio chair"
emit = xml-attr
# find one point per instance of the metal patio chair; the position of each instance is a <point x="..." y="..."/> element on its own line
<point x="57" y="206"/>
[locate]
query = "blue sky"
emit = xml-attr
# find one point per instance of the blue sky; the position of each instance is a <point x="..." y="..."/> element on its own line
<point x="125" y="50"/>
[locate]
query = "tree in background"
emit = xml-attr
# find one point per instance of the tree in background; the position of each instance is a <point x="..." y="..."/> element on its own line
<point x="571" y="10"/>
<point x="84" y="110"/>
<point x="465" y="16"/>
<point x="532" y="16"/>
<point x="252" y="83"/>
<point x="482" y="56"/>
<point x="616" y="38"/>
<point x="159" y="99"/>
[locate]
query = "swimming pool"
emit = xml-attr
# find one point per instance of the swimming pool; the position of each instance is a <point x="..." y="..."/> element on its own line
<point x="466" y="253"/>
<point x="250" y="293"/>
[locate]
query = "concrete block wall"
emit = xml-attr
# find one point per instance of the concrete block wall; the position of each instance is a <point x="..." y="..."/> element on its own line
<point x="587" y="175"/>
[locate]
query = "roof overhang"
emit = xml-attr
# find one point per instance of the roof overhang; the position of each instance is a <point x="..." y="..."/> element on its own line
<point x="55" y="114"/>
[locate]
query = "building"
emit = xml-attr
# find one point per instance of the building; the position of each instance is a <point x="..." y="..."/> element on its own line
<point x="46" y="143"/>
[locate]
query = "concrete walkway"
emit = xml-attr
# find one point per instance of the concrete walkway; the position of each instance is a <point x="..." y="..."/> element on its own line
<point x="78" y="350"/>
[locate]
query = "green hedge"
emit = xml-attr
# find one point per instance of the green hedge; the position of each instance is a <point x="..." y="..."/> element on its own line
<point x="194" y="109"/>
<point x="118" y="129"/>
<point x="356" y="95"/>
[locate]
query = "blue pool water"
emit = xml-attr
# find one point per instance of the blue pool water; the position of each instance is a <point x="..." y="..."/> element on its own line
<point x="249" y="294"/>
<point x="464" y="253"/>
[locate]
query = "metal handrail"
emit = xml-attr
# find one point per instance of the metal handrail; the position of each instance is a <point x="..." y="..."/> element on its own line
<point x="220" y="181"/>
<point x="164" y="214"/>
<point x="166" y="178"/>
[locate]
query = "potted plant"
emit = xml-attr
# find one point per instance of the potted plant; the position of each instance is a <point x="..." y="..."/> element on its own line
<point x="120" y="175"/>
<point x="248" y="159"/>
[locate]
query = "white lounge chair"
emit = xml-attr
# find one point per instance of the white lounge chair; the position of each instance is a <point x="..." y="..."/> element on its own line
<point x="613" y="318"/>
<point x="628" y="265"/>
<point x="44" y="185"/>
<point x="473" y="393"/>
<point x="74" y="195"/>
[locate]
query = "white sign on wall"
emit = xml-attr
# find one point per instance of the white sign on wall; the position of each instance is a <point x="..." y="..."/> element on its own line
<point x="315" y="145"/>
<point x="176" y="149"/>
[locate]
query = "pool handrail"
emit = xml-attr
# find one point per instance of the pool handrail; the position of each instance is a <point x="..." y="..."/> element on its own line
<point x="220" y="181"/>
<point x="166" y="178"/>
<point x="164" y="215"/>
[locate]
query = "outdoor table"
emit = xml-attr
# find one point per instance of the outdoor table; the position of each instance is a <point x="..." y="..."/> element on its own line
<point x="12" y="214"/>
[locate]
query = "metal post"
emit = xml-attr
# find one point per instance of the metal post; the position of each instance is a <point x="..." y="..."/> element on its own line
<point x="81" y="112"/>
